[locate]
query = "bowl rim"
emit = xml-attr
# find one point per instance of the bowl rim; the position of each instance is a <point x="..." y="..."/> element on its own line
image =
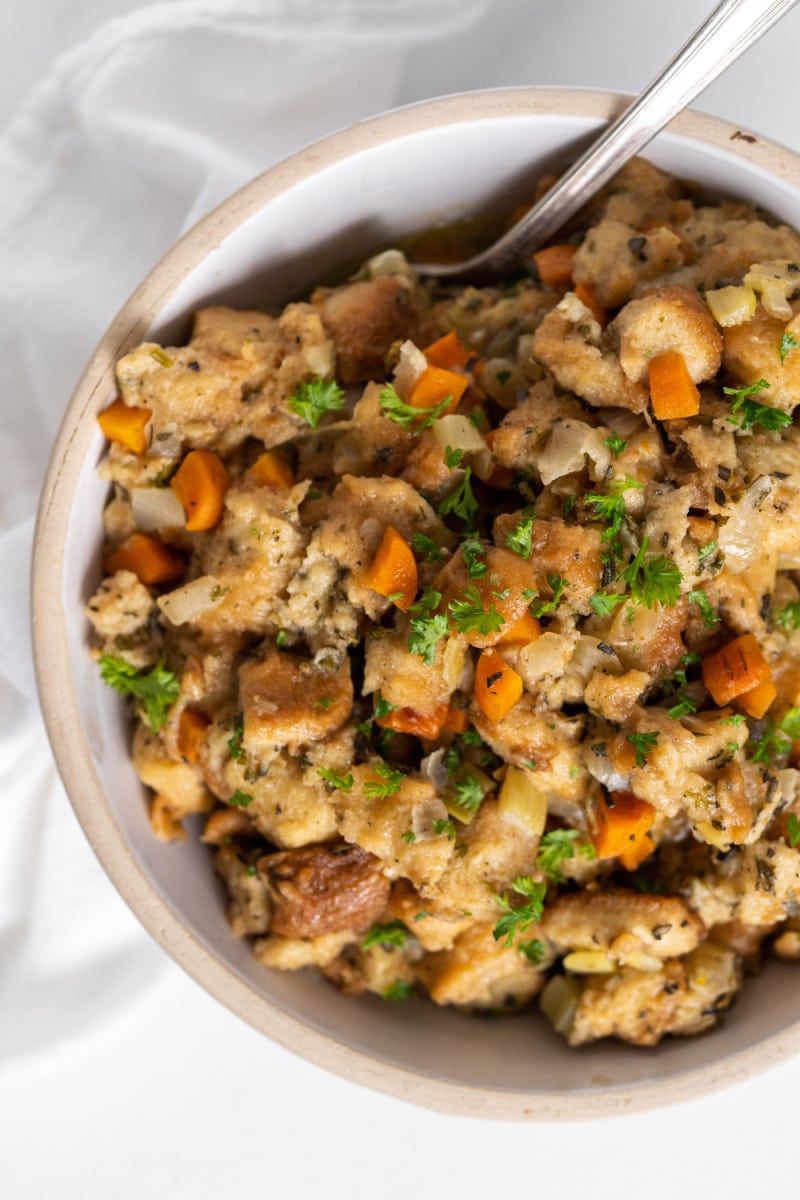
<point x="51" y="658"/>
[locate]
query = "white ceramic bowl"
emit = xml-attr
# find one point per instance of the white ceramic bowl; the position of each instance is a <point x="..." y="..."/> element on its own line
<point x="331" y="203"/>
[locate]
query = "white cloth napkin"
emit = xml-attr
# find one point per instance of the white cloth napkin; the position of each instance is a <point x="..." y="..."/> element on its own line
<point x="131" y="138"/>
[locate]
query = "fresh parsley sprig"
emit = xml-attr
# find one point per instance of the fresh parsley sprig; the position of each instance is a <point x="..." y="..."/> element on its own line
<point x="468" y="615"/>
<point x="642" y="744"/>
<point x="789" y="615"/>
<point x="427" y="627"/>
<point x="652" y="581"/>
<point x="342" y="783"/>
<point x="788" y="343"/>
<point x="157" y="688"/>
<point x="519" y="917"/>
<point x="314" y="398"/>
<point x="461" y="501"/>
<point x="422" y="544"/>
<point x="391" y="785"/>
<point x="520" y="538"/>
<point x="474" y="557"/>
<point x="746" y="412"/>
<point x="557" y="846"/>
<point x="540" y="608"/>
<point x="615" y="444"/>
<point x="414" y="420"/>
<point x="776" y="740"/>
<point x="605" y="603"/>
<point x="393" y="933"/>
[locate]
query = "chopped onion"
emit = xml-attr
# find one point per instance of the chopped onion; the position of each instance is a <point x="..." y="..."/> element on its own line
<point x="731" y="305"/>
<point x="453" y="659"/>
<point x="410" y="365"/>
<point x="566" y="449"/>
<point x="558" y="1001"/>
<point x="521" y="802"/>
<point x="547" y="657"/>
<point x="637" y="630"/>
<point x="190" y="601"/>
<point x="589" y="962"/>
<point x="458" y="432"/>
<point x="156" y="508"/>
<point x="433" y="768"/>
<point x="601" y="769"/>
<point x="388" y="262"/>
<point x="741" y="539"/>
<point x="423" y="816"/>
<point x="588" y="657"/>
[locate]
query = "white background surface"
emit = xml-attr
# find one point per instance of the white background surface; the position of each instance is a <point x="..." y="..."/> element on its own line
<point x="176" y="1098"/>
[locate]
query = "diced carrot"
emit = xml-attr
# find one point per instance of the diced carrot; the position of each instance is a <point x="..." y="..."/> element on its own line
<point x="435" y="385"/>
<point x="554" y="264"/>
<point x="636" y="853"/>
<point x="756" y="702"/>
<point x="393" y="572"/>
<point x="623" y="823"/>
<point x="192" y="728"/>
<point x="737" y="668"/>
<point x="526" y="629"/>
<point x="200" y="483"/>
<point x="456" y="720"/>
<point x="151" y="561"/>
<point x="270" y="470"/>
<point x="587" y="297"/>
<point x="447" y="352"/>
<point x="122" y="423"/>
<point x="408" y="720"/>
<point x="673" y="393"/>
<point x="498" y="687"/>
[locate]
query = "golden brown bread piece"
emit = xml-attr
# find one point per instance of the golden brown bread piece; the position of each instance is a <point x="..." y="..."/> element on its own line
<point x="324" y="889"/>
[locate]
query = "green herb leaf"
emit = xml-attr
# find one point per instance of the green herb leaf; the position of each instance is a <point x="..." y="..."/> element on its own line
<point x="452" y="458"/>
<point x="789" y="615"/>
<point x="394" y="933"/>
<point x="409" y="836"/>
<point x="793" y="830"/>
<point x="652" y="581"/>
<point x="393" y="781"/>
<point x="705" y="553"/>
<point x="426" y="546"/>
<point x="643" y="743"/>
<point x="750" y="412"/>
<point x="699" y="597"/>
<point x="235" y="741"/>
<point x="468" y="794"/>
<point x="399" y="990"/>
<point x="444" y="827"/>
<point x="240" y="799"/>
<point x="555" y="847"/>
<point x="412" y="419"/>
<point x="426" y="630"/>
<point x="314" y="398"/>
<point x="604" y="603"/>
<point x="534" y="950"/>
<point x="518" y="918"/>
<point x="468" y="615"/>
<point x="341" y="783"/>
<point x="461" y="501"/>
<point x="520" y="538"/>
<point x="474" y="553"/>
<point x="557" y="585"/>
<point x="383" y="707"/>
<point x="615" y="444"/>
<point x="157" y="688"/>
<point x="788" y="343"/>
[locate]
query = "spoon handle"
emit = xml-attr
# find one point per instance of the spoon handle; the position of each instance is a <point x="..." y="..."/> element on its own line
<point x="732" y="27"/>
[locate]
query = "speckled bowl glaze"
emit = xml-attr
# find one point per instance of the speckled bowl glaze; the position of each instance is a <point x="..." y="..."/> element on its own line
<point x="333" y="202"/>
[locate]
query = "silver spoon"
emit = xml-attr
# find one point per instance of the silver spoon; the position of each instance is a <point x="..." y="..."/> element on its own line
<point x="727" y="32"/>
